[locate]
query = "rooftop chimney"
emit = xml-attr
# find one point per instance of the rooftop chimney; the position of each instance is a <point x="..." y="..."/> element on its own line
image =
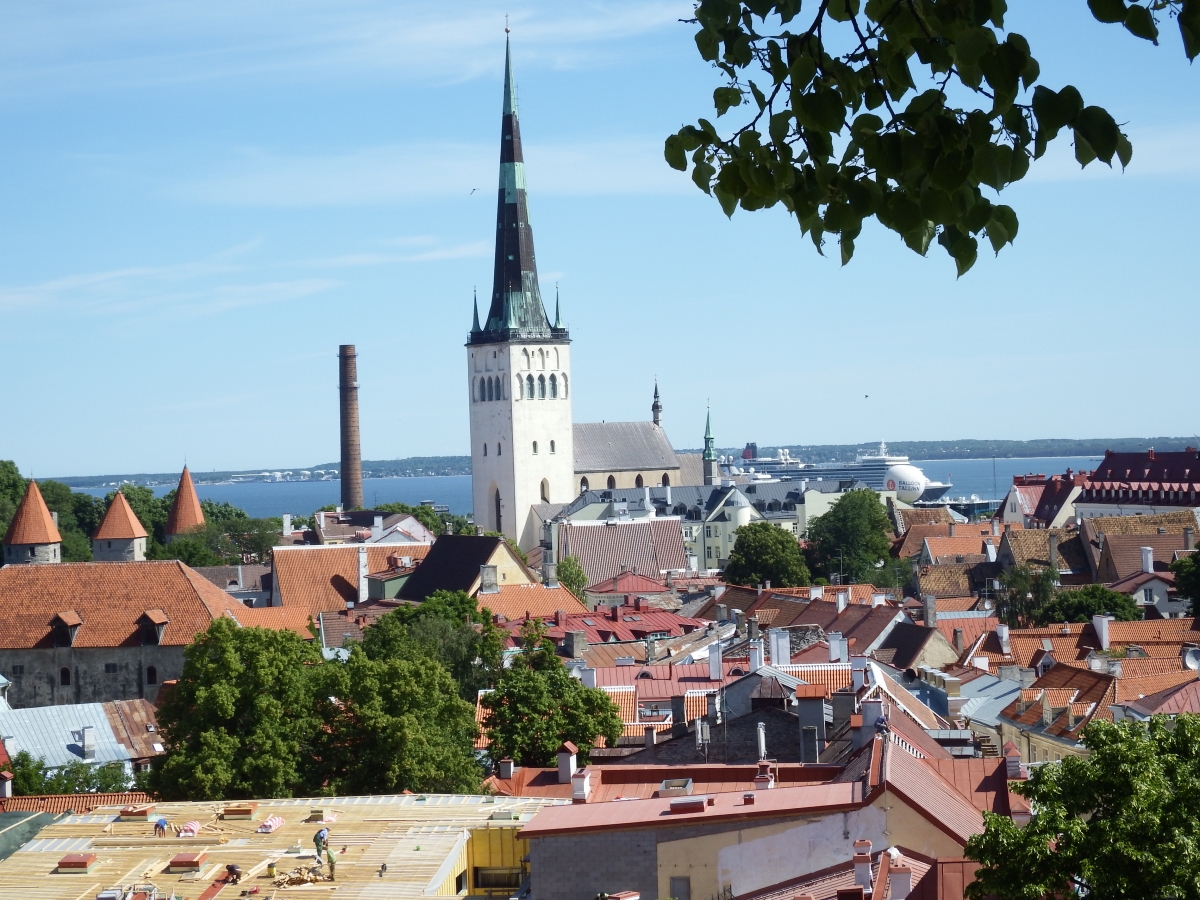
<point x="714" y="661"/>
<point x="722" y="612"/>
<point x="899" y="882"/>
<point x="363" y="568"/>
<point x="780" y="644"/>
<point x="930" y="610"/>
<point x="377" y="528"/>
<point x="576" y="644"/>
<point x="958" y="640"/>
<point x="1002" y="637"/>
<point x="756" y="655"/>
<point x="449" y="529"/>
<point x="862" y="864"/>
<point x="351" y="472"/>
<point x="287" y="525"/>
<point x="835" y="646"/>
<point x="507" y="767"/>
<point x="995" y="526"/>
<point x="843" y="598"/>
<point x="1189" y="538"/>
<point x="1052" y="556"/>
<point x="550" y="574"/>
<point x="1100" y="623"/>
<point x="752" y="627"/>
<point x="761" y="733"/>
<point x="650" y="736"/>
<point x="87" y="743"/>
<point x="488" y="583"/>
<point x="566" y="762"/>
<point x="951" y="529"/>
<point x="1148" y="560"/>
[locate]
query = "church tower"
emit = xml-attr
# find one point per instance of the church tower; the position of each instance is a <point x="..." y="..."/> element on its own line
<point x="518" y="368"/>
<point x="712" y="468"/>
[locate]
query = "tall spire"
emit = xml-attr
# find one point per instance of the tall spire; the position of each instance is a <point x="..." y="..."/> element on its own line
<point x="516" y="311"/>
<point x="557" y="310"/>
<point x="712" y="472"/>
<point x="475" y="321"/>
<point x="656" y="406"/>
<point x="710" y="452"/>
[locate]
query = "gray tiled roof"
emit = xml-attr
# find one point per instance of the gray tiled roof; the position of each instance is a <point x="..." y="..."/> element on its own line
<point x="46" y="731"/>
<point x="704" y="497"/>
<point x="622" y="447"/>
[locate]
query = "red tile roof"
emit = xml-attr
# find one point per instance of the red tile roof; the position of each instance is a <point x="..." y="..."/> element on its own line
<point x="323" y="578"/>
<point x="32" y="523"/>
<point x="515" y="601"/>
<point x="186" y="514"/>
<point x="651" y="546"/>
<point x="628" y="583"/>
<point x="119" y="522"/>
<point x="110" y="599"/>
<point x="81" y="803"/>
<point x="959" y="545"/>
<point x="1122" y="554"/>
<point x="615" y="623"/>
<point x="628" y="782"/>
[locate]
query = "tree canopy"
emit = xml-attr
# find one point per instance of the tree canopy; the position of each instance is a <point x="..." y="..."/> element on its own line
<point x="1187" y="579"/>
<point x="851" y="538"/>
<point x="1118" y="823"/>
<point x="32" y="777"/>
<point x="571" y="575"/>
<point x="1025" y="590"/>
<point x="763" y="552"/>
<point x="853" y="112"/>
<point x="537" y="705"/>
<point x="1080" y="604"/>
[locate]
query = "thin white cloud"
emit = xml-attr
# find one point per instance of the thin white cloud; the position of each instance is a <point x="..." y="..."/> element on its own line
<point x="1158" y="152"/>
<point x="412" y="172"/>
<point x="87" y="46"/>
<point x="433" y="254"/>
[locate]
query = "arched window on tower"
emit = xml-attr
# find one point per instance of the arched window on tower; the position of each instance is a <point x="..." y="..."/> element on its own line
<point x="552" y="446"/>
<point x="541" y="387"/>
<point x="529" y="386"/>
<point x="151" y="675"/>
<point x="612" y="482"/>
<point x="541" y="359"/>
<point x="638" y="481"/>
<point x="491" y="393"/>
<point x="556" y="359"/>
<point x="499" y="521"/>
<point x="520" y="390"/>
<point x="499" y="388"/>
<point x="485" y="449"/>
<point x="583" y="485"/>
<point x="535" y="448"/>
<point x="525" y="359"/>
<point x="666" y="480"/>
<point x="545" y="491"/>
<point x="564" y="386"/>
<point x="553" y="387"/>
<point x="64" y="677"/>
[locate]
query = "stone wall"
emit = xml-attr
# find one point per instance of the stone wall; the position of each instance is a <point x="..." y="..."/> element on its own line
<point x="32" y="554"/>
<point x="39" y="684"/>
<point x="129" y="550"/>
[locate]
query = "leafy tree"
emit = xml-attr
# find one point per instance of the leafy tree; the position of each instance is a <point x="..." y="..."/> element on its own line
<point x="1187" y="579"/>
<point x="190" y="549"/>
<point x="1120" y="822"/>
<point x="151" y="511"/>
<point x="912" y="159"/>
<point x="253" y="540"/>
<point x="12" y="489"/>
<point x="32" y="777"/>
<point x="537" y="705"/>
<point x="449" y="628"/>
<point x="851" y="537"/>
<point x="1081" y="604"/>
<point x="893" y="573"/>
<point x="571" y="575"/>
<point x="1024" y="591"/>
<point x="391" y="725"/>
<point x="238" y="722"/>
<point x="763" y="552"/>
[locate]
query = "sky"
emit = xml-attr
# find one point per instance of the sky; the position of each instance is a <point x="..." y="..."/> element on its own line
<point x="199" y="201"/>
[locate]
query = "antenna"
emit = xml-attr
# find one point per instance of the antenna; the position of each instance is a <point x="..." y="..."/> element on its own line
<point x="1191" y="659"/>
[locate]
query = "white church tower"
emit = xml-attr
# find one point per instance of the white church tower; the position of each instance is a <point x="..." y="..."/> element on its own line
<point x="518" y="369"/>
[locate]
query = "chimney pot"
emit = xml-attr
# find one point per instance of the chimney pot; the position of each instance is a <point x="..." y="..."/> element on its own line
<point x="650" y="736"/>
<point x="958" y="639"/>
<point x="1189" y="538"/>
<point x="843" y="600"/>
<point x="1148" y="560"/>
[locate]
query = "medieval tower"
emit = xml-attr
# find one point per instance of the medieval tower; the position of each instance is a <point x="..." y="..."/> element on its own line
<point x="518" y="367"/>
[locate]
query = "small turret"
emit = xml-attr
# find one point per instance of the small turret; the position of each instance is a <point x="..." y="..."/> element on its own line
<point x="656" y="407"/>
<point x="712" y="472"/>
<point x="186" y="516"/>
<point x="32" y="537"/>
<point x="120" y="537"/>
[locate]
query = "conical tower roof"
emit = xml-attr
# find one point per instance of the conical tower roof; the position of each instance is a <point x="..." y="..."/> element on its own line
<point x="33" y="523"/>
<point x="186" y="515"/>
<point x="516" y="312"/>
<point x="120" y="523"/>
<point x="710" y="452"/>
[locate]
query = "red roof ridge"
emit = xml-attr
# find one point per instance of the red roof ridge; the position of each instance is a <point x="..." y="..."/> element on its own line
<point x="120" y="522"/>
<point x="186" y="514"/>
<point x="32" y="523"/>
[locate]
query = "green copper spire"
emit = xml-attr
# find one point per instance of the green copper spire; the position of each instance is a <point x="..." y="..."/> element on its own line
<point x="710" y="453"/>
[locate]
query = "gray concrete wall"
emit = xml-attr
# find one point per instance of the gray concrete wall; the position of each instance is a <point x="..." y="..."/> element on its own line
<point x="32" y="554"/>
<point x="131" y="550"/>
<point x="39" y="684"/>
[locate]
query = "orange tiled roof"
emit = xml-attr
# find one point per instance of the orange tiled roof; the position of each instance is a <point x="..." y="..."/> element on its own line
<point x="278" y="618"/>
<point x="81" y="803"/>
<point x="109" y="599"/>
<point x="959" y="545"/>
<point x="119" y="522"/>
<point x="186" y="514"/>
<point x="33" y="523"/>
<point x="321" y="578"/>
<point x="513" y="601"/>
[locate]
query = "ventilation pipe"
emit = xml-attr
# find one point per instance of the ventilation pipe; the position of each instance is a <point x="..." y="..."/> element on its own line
<point x="362" y="576"/>
<point x="756" y="655"/>
<point x="762" y="741"/>
<point x="287" y="525"/>
<point x="714" y="661"/>
<point x="377" y="528"/>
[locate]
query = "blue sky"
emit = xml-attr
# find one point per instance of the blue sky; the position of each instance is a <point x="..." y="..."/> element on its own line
<point x="200" y="201"/>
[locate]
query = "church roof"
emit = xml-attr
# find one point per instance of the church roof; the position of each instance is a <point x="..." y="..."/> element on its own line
<point x="119" y="522"/>
<point x="622" y="447"/>
<point x="516" y="312"/>
<point x="186" y="514"/>
<point x="33" y="523"/>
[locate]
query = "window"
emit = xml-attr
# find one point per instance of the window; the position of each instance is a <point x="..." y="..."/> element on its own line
<point x="541" y="359"/>
<point x="583" y="485"/>
<point x="460" y="882"/>
<point x="110" y="668"/>
<point x="553" y="387"/>
<point x="564" y="386"/>
<point x="612" y="482"/>
<point x="681" y="887"/>
<point x="151" y="675"/>
<point x="529" y="386"/>
<point x="150" y="632"/>
<point x="64" y="676"/>
<point x="498" y="453"/>
<point x="490" y="390"/>
<point x="485" y="449"/>
<point x="545" y="491"/>
<point x="541" y="387"/>
<point x="498" y="521"/>
<point x="535" y="448"/>
<point x="525" y="359"/>
<point x="18" y="671"/>
<point x="552" y="446"/>
<point x="638" y="481"/>
<point x="708" y="531"/>
<point x="666" y="480"/>
<point x="507" y="879"/>
<point x="708" y="552"/>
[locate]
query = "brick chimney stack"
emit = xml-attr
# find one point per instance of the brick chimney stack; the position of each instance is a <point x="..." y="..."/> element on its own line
<point x="351" y="473"/>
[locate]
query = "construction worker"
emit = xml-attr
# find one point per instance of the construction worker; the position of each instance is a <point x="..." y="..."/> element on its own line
<point x="321" y="841"/>
<point x="160" y="827"/>
<point x="332" y="864"/>
<point x="233" y="874"/>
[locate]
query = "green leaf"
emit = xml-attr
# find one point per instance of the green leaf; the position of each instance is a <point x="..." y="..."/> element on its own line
<point x="724" y="98"/>
<point x="843" y="10"/>
<point x="824" y="109"/>
<point x="846" y="243"/>
<point x="708" y="45"/>
<point x="1139" y="21"/>
<point x="802" y="71"/>
<point x="674" y="153"/>
<point x="778" y="126"/>
<point x="702" y="175"/>
<point x="1189" y="27"/>
<point x="758" y="97"/>
<point x="1108" y="11"/>
<point x="1124" y="150"/>
<point x="1099" y="130"/>
<point x="1084" y="153"/>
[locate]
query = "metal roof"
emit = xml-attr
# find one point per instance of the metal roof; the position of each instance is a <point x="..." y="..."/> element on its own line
<point x="622" y="447"/>
<point x="50" y="732"/>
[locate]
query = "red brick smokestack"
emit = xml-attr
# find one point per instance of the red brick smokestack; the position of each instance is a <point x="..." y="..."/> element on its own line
<point x="352" y="493"/>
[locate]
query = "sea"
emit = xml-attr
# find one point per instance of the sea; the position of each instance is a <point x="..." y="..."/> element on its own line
<point x="987" y="479"/>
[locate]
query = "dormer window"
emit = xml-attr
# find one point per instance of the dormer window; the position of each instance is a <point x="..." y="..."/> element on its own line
<point x="151" y="626"/>
<point x="65" y="626"/>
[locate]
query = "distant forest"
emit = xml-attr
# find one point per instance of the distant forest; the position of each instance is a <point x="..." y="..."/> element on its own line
<point x="817" y="453"/>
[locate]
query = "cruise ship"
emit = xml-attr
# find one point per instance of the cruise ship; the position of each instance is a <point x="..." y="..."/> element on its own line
<point x="882" y="471"/>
